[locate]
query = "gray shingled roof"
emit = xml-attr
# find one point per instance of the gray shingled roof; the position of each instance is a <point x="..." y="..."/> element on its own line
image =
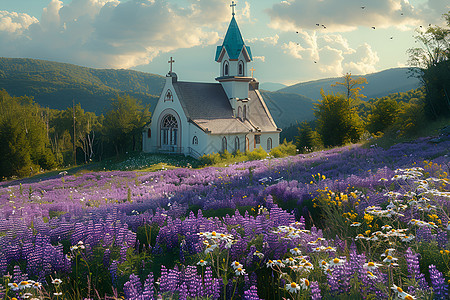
<point x="203" y="100"/>
<point x="207" y="105"/>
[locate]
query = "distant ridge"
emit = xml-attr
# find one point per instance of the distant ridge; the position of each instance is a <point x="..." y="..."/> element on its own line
<point x="379" y="84"/>
<point x="55" y="85"/>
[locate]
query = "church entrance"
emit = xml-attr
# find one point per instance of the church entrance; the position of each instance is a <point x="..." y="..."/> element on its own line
<point x="169" y="133"/>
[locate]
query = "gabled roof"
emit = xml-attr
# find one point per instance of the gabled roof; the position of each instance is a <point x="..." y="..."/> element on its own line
<point x="207" y="105"/>
<point x="233" y="42"/>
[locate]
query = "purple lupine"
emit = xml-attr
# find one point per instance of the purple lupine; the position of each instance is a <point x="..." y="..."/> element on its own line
<point x="414" y="269"/>
<point x="315" y="291"/>
<point x="251" y="293"/>
<point x="438" y="282"/>
<point x="149" y="288"/>
<point x="133" y="288"/>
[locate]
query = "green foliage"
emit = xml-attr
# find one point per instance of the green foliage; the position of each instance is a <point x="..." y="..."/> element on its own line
<point x="307" y="139"/>
<point x="284" y="149"/>
<point x="257" y="154"/>
<point x="24" y="145"/>
<point x="350" y="85"/>
<point x="384" y="113"/>
<point x="124" y="121"/>
<point x="337" y="120"/>
<point x="433" y="59"/>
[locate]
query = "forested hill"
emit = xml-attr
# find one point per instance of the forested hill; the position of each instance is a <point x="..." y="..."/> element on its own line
<point x="56" y="85"/>
<point x="379" y="84"/>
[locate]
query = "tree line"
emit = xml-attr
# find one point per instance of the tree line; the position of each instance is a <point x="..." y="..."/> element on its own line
<point x="343" y="117"/>
<point x="34" y="138"/>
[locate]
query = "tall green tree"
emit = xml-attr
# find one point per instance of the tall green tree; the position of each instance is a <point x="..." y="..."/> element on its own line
<point x="383" y="114"/>
<point x="123" y="123"/>
<point x="352" y="86"/>
<point x="307" y="139"/>
<point x="337" y="120"/>
<point x="24" y="145"/>
<point x="432" y="66"/>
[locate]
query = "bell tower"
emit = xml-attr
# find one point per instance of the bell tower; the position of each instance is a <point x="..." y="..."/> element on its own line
<point x="233" y="56"/>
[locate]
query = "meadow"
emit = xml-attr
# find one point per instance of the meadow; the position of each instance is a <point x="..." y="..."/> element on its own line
<point x="345" y="223"/>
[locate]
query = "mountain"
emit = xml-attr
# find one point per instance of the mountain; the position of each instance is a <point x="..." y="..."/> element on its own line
<point x="56" y="85"/>
<point x="271" y="86"/>
<point x="378" y="84"/>
<point x="287" y="108"/>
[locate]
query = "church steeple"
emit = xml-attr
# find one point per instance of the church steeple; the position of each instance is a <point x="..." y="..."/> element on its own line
<point x="233" y="49"/>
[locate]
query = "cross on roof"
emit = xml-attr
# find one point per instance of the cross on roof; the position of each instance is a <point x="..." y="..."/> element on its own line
<point x="232" y="7"/>
<point x="252" y="71"/>
<point x="171" y="61"/>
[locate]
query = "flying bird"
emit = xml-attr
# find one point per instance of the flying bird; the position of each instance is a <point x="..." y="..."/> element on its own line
<point x="362" y="7"/>
<point x="373" y="27"/>
<point x="392" y="37"/>
<point x="318" y="24"/>
<point x="296" y="32"/>
<point x="401" y="14"/>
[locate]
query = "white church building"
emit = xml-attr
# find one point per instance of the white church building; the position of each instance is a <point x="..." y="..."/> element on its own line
<point x="193" y="118"/>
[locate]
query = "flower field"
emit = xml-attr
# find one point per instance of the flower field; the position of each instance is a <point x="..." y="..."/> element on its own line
<point x="346" y="223"/>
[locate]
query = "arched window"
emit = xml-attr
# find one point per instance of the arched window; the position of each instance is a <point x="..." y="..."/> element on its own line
<point x="247" y="144"/>
<point x="241" y="68"/>
<point x="195" y="140"/>
<point x="169" y="130"/>
<point x="225" y="68"/>
<point x="269" y="144"/>
<point x="239" y="114"/>
<point x="149" y="133"/>
<point x="245" y="112"/>
<point x="224" y="144"/>
<point x="236" y="144"/>
<point x="169" y="96"/>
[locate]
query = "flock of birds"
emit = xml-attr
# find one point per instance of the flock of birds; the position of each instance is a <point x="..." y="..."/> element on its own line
<point x="373" y="27"/>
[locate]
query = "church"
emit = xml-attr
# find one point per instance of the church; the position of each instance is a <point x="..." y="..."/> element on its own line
<point x="194" y="119"/>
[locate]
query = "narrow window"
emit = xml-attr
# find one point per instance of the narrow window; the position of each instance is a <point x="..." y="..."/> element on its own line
<point x="245" y="112"/>
<point x="224" y="144"/>
<point x="239" y="114"/>
<point x="195" y="140"/>
<point x="247" y="144"/>
<point x="257" y="140"/>
<point x="236" y="144"/>
<point x="269" y="144"/>
<point x="149" y="133"/>
<point x="241" y="68"/>
<point x="225" y="68"/>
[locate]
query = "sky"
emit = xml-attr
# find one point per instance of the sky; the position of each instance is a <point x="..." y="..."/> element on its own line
<point x="356" y="36"/>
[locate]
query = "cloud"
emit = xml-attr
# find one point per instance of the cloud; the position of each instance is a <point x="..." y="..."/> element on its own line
<point x="271" y="40"/>
<point x="110" y="33"/>
<point x="261" y="58"/>
<point x="17" y="23"/>
<point x="332" y="54"/>
<point x="342" y="15"/>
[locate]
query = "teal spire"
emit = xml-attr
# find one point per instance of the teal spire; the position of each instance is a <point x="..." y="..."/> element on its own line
<point x="233" y="42"/>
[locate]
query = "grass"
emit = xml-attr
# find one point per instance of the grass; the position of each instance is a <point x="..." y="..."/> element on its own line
<point x="392" y="137"/>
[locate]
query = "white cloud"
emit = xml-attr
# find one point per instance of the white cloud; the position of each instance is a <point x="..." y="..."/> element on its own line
<point x="271" y="40"/>
<point x="12" y="22"/>
<point x="332" y="54"/>
<point x="261" y="58"/>
<point x="342" y="15"/>
<point x="109" y="33"/>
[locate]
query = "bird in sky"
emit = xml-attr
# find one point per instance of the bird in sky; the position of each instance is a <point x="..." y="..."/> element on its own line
<point x="373" y="27"/>
<point x="362" y="7"/>
<point x="318" y="24"/>
<point x="392" y="37"/>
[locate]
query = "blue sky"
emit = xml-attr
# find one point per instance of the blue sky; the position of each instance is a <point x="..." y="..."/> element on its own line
<point x="143" y="34"/>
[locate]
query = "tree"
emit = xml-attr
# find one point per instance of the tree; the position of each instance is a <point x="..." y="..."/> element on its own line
<point x="383" y="114"/>
<point x="431" y="64"/>
<point x="337" y="120"/>
<point x="124" y="121"/>
<point x="24" y="145"/>
<point x="307" y="139"/>
<point x="352" y="90"/>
